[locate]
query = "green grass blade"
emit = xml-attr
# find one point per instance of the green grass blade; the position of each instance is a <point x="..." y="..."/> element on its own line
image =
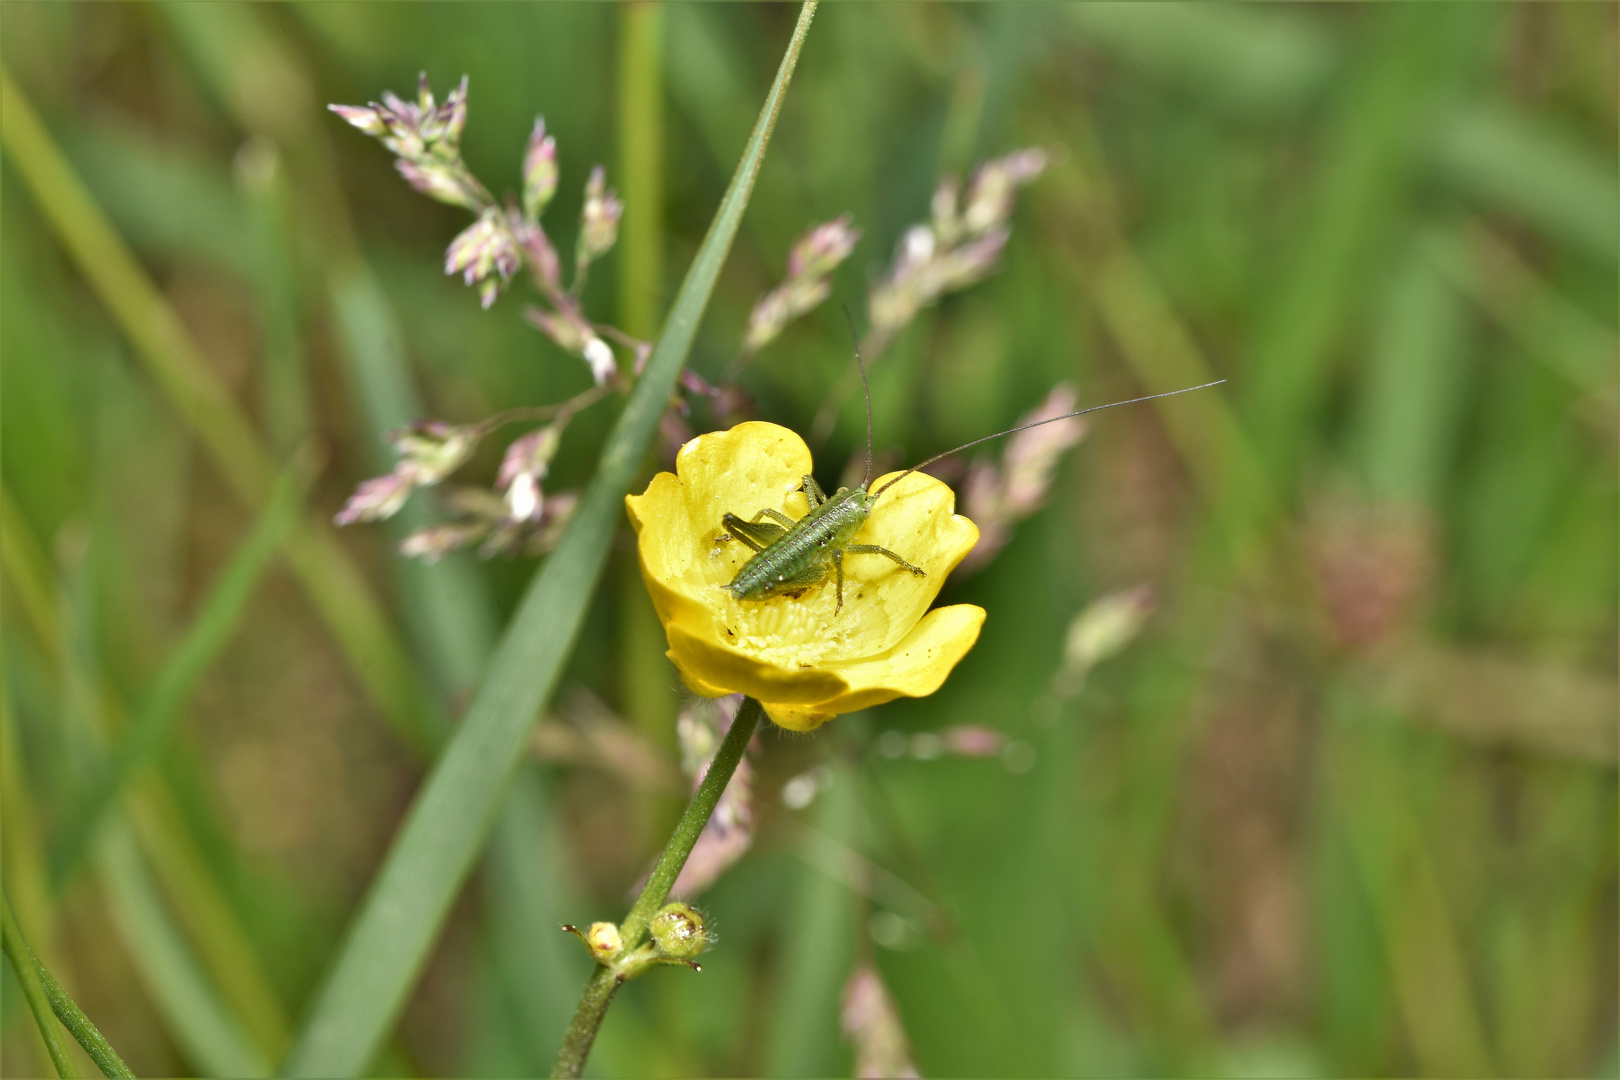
<point x="29" y="970"/>
<point x="1247" y="58"/>
<point x="817" y="951"/>
<point x="1412" y="383"/>
<point x="1527" y="167"/>
<point x="447" y="610"/>
<point x="330" y="579"/>
<point x="65" y="1008"/>
<point x="1542" y="320"/>
<point x="208" y="634"/>
<point x="203" y="909"/>
<point x="163" y="201"/>
<point x="445" y="605"/>
<point x="1427" y="963"/>
<point x="450" y="819"/>
<point x="529" y="896"/>
<point x="1370" y="149"/>
<point x="200" y="902"/>
<point x="210" y="1036"/>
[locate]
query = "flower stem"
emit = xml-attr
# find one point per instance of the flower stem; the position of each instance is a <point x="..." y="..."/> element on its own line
<point x="593" y="1005"/>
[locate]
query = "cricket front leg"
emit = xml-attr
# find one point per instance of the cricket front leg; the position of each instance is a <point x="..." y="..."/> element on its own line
<point x="838" y="565"/>
<point x="812" y="492"/>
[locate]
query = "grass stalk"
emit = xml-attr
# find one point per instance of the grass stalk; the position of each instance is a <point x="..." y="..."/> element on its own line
<point x="641" y="165"/>
<point x="28" y="970"/>
<point x="225" y="947"/>
<point x="598" y="995"/>
<point x="211" y="1036"/>
<point x="207" y="635"/>
<point x="47" y="999"/>
<point x="332" y="582"/>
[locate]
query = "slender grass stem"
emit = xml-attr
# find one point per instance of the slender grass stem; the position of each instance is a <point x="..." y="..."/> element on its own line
<point x="45" y="997"/>
<point x="330" y="578"/>
<point x="593" y="1005"/>
<point x="216" y="622"/>
<point x="28" y="969"/>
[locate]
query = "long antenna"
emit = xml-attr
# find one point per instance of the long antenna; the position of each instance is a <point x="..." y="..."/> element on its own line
<point x="1036" y="424"/>
<point x="865" y="389"/>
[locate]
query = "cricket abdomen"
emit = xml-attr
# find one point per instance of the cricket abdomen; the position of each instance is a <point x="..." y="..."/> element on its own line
<point x="803" y="556"/>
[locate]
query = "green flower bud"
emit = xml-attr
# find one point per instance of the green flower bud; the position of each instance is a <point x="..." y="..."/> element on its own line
<point x="678" y="932"/>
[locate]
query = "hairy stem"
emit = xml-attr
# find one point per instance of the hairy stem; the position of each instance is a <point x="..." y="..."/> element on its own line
<point x="593" y="1005"/>
<point x="45" y="996"/>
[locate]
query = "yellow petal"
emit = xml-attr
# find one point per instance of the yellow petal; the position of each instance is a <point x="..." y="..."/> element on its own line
<point x="702" y="660"/>
<point x="916" y="667"/>
<point x="796" y="717"/>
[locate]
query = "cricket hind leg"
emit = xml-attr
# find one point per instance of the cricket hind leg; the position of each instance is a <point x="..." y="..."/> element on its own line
<point x="778" y="516"/>
<point x="873" y="549"/>
<point x="756" y="534"/>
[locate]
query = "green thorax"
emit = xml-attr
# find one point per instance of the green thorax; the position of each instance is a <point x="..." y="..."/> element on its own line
<point x="803" y="555"/>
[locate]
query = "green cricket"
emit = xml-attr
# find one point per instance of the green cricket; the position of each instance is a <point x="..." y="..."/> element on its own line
<point x="792" y="556"/>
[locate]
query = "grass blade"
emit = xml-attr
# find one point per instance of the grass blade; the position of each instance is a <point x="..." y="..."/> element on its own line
<point x="445" y="605"/>
<point x="1531" y="169"/>
<point x="1370" y="149"/>
<point x="209" y="632"/>
<point x="201" y="905"/>
<point x="447" y="610"/>
<point x="818" y="954"/>
<point x="66" y="1009"/>
<point x="448" y="618"/>
<point x="450" y="819"/>
<point x="330" y="579"/>
<point x="1250" y="59"/>
<point x="29" y="971"/>
<point x="210" y="1036"/>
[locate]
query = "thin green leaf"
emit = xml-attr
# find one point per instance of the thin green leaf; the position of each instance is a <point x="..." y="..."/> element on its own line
<point x="210" y="1036"/>
<point x="29" y="969"/>
<point x="330" y="579"/>
<point x="1526" y="166"/>
<point x="1427" y="964"/>
<point x="448" y="612"/>
<point x="1412" y="384"/>
<point x="451" y="818"/>
<point x="202" y="908"/>
<point x="1370" y="150"/>
<point x="803" y="1039"/>
<point x="445" y="605"/>
<point x="207" y="635"/>
<point x="164" y="201"/>
<point x="66" y="1009"/>
<point x="1248" y="58"/>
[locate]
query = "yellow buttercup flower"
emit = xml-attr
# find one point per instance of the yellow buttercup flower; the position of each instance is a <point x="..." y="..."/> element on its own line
<point x="802" y="660"/>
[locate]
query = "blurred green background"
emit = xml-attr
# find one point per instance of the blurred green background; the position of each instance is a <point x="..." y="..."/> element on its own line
<point x="1347" y="806"/>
